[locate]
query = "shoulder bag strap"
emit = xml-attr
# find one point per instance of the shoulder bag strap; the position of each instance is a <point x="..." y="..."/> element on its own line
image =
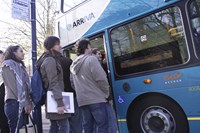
<point x="33" y="124"/>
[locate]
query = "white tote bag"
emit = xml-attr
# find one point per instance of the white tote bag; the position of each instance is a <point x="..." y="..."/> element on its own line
<point x="30" y="128"/>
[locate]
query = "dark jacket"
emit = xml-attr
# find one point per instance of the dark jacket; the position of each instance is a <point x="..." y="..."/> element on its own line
<point x="65" y="63"/>
<point x="105" y="68"/>
<point x="3" y="119"/>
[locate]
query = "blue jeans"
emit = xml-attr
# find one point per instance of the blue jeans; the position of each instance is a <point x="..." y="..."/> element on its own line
<point x="112" y="123"/>
<point x="76" y="120"/>
<point x="59" y="126"/>
<point x="12" y="111"/>
<point x="95" y="115"/>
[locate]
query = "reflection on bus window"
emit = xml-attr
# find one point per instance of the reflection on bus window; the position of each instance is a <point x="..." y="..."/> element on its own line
<point x="195" y="21"/>
<point x="69" y="4"/>
<point x="153" y="42"/>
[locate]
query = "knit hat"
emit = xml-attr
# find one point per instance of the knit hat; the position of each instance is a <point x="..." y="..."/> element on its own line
<point x="50" y="42"/>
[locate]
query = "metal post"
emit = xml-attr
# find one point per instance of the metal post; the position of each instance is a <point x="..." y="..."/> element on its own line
<point x="33" y="31"/>
<point x="37" y="111"/>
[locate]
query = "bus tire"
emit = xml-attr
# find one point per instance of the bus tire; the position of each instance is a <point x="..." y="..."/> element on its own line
<point x="156" y="113"/>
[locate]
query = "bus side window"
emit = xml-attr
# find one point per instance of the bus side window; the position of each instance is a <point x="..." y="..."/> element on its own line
<point x="153" y="42"/>
<point x="195" y="21"/>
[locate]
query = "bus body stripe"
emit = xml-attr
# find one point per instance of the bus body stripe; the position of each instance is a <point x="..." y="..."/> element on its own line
<point x="121" y="120"/>
<point x="193" y="118"/>
<point x="189" y="119"/>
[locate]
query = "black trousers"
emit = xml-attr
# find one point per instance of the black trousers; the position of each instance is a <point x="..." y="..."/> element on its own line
<point x="4" y="128"/>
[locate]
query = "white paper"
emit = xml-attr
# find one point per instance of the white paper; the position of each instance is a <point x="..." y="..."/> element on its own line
<point x="68" y="99"/>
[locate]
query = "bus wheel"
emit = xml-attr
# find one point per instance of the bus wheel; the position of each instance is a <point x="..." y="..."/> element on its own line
<point x="156" y="114"/>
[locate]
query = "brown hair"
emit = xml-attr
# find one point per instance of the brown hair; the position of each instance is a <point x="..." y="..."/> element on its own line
<point x="50" y="42"/>
<point x="81" y="46"/>
<point x="9" y="54"/>
<point x="95" y="50"/>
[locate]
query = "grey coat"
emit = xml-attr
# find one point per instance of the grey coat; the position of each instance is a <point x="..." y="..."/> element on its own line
<point x="90" y="80"/>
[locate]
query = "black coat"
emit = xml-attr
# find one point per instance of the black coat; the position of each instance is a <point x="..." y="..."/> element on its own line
<point x="3" y="119"/>
<point x="66" y="62"/>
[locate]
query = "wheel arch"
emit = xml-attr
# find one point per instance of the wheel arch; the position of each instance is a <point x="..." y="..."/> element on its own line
<point x="150" y="94"/>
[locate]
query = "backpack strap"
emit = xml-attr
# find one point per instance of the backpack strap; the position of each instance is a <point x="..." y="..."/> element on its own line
<point x="42" y="58"/>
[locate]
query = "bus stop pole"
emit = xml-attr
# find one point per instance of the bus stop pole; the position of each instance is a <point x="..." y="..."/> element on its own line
<point x="37" y="111"/>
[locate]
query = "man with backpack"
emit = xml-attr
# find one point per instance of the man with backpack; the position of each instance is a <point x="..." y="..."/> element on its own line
<point x="39" y="92"/>
<point x="52" y="76"/>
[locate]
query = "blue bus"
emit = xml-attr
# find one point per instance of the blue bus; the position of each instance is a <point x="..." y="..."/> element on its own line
<point x="152" y="50"/>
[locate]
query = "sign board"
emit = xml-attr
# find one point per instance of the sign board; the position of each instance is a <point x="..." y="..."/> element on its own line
<point x="21" y="10"/>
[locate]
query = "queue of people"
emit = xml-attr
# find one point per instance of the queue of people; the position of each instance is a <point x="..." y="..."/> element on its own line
<point x="85" y="77"/>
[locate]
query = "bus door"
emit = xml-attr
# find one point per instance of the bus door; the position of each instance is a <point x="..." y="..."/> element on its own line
<point x="194" y="14"/>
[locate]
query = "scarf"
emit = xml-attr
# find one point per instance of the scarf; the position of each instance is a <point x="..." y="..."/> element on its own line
<point x="22" y="81"/>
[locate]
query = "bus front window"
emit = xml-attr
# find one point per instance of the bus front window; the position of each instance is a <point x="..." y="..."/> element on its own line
<point x="153" y="42"/>
<point x="195" y="21"/>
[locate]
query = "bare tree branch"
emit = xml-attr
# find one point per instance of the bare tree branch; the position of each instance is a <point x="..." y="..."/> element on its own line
<point x="20" y="32"/>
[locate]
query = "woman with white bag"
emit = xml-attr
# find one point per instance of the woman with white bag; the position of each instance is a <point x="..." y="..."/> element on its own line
<point x="17" y="87"/>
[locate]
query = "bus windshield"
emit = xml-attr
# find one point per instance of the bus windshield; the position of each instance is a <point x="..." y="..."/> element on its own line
<point x="153" y="42"/>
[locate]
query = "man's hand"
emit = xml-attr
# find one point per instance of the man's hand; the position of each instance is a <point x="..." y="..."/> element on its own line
<point x="61" y="110"/>
<point x="110" y="102"/>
